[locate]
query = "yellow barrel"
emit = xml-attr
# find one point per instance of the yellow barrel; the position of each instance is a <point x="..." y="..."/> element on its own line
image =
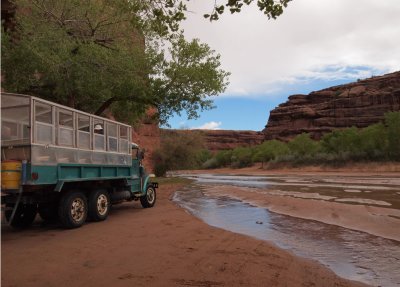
<point x="10" y="174"/>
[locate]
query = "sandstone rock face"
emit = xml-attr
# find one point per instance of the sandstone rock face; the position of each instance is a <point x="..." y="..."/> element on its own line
<point x="147" y="136"/>
<point x="216" y="140"/>
<point x="356" y="104"/>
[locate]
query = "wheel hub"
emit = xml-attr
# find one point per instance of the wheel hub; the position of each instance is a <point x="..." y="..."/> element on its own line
<point x="150" y="195"/>
<point x="102" y="204"/>
<point x="78" y="209"/>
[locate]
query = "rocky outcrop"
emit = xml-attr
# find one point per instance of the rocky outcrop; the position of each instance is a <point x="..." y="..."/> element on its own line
<point x="358" y="104"/>
<point x="228" y="139"/>
<point x="216" y="140"/>
<point x="147" y="135"/>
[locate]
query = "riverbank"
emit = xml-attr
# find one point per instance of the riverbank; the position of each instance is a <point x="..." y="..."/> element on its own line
<point x="366" y="201"/>
<point x="160" y="246"/>
<point x="368" y="168"/>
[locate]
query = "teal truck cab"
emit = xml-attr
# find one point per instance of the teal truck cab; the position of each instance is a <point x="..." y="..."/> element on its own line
<point x="66" y="164"/>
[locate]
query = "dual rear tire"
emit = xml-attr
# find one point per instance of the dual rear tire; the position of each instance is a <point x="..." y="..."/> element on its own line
<point x="24" y="215"/>
<point x="74" y="207"/>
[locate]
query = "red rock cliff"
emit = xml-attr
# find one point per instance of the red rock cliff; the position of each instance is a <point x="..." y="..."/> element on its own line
<point x="216" y="140"/>
<point x="147" y="135"/>
<point x="359" y="104"/>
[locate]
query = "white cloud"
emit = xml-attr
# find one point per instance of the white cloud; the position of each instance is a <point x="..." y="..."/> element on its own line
<point x="313" y="39"/>
<point x="209" y="126"/>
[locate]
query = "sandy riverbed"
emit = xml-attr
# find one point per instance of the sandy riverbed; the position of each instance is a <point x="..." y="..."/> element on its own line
<point x="354" y="212"/>
<point x="378" y="221"/>
<point x="161" y="246"/>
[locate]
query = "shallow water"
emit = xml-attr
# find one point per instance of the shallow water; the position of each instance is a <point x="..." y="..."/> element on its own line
<point x="351" y="254"/>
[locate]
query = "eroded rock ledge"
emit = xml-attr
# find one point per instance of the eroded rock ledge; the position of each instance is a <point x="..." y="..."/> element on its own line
<point x="358" y="104"/>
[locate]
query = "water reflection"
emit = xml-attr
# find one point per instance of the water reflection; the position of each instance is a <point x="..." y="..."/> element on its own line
<point x="351" y="254"/>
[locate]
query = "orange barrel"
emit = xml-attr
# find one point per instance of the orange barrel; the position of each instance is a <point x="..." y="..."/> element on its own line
<point x="10" y="174"/>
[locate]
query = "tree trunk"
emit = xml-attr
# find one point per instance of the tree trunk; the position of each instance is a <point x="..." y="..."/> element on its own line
<point x="105" y="106"/>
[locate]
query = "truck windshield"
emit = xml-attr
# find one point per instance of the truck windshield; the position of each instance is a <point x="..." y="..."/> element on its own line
<point x="15" y="111"/>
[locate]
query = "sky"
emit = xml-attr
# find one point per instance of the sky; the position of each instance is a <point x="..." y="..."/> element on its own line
<point x="314" y="44"/>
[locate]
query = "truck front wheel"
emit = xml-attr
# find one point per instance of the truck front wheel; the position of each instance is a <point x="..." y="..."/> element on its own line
<point x="23" y="217"/>
<point x="73" y="209"/>
<point x="99" y="205"/>
<point x="149" y="199"/>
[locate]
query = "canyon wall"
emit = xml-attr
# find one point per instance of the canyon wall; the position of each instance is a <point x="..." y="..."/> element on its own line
<point x="216" y="140"/>
<point x="358" y="104"/>
<point x="147" y="135"/>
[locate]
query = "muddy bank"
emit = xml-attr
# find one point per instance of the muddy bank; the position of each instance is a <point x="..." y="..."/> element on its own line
<point x="372" y="168"/>
<point x="378" y="221"/>
<point x="161" y="246"/>
<point x="347" y="252"/>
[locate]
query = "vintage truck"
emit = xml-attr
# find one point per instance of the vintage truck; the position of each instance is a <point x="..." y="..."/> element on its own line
<point x="65" y="164"/>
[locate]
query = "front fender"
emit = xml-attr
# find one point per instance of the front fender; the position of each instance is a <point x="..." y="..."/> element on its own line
<point x="145" y="182"/>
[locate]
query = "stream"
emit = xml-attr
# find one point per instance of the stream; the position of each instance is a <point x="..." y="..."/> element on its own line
<point x="351" y="254"/>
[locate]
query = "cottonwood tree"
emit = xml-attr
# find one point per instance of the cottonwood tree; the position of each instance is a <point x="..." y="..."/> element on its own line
<point x="98" y="55"/>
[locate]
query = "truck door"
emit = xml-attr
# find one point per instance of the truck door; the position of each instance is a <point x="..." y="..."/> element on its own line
<point x="136" y="176"/>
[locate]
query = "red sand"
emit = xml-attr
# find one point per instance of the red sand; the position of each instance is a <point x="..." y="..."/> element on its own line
<point x="160" y="246"/>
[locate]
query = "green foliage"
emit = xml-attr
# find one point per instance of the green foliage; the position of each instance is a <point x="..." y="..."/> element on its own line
<point x="270" y="150"/>
<point x="302" y="146"/>
<point x="378" y="142"/>
<point x="203" y="156"/>
<point x="345" y="141"/>
<point x="270" y="8"/>
<point x="392" y="121"/>
<point x="373" y="142"/>
<point x="92" y="55"/>
<point x="241" y="157"/>
<point x="178" y="151"/>
<point x="224" y="158"/>
<point x="185" y="82"/>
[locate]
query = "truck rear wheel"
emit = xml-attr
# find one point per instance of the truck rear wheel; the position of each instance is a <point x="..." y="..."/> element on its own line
<point x="48" y="211"/>
<point x="24" y="215"/>
<point x="73" y="209"/>
<point x="149" y="199"/>
<point x="99" y="205"/>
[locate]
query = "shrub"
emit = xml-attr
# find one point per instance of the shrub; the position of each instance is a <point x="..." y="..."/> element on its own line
<point x="270" y="150"/>
<point x="392" y="122"/>
<point x="345" y="141"/>
<point x="373" y="142"/>
<point x="223" y="158"/>
<point x="179" y="150"/>
<point x="302" y="146"/>
<point x="241" y="157"/>
<point x="210" y="163"/>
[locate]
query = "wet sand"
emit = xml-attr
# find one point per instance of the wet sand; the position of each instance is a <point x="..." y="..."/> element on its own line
<point x="379" y="221"/>
<point x="353" y="255"/>
<point x="363" y="203"/>
<point x="161" y="246"/>
<point x="364" y="169"/>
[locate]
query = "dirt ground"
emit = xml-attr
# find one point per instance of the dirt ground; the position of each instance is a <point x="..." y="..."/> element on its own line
<point x="160" y="246"/>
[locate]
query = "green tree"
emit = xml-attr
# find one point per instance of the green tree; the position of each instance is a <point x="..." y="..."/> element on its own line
<point x="179" y="150"/>
<point x="271" y="8"/>
<point x="373" y="141"/>
<point x="392" y="121"/>
<point x="242" y="157"/>
<point x="224" y="158"/>
<point x="99" y="55"/>
<point x="270" y="150"/>
<point x="302" y="146"/>
<point x="345" y="142"/>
